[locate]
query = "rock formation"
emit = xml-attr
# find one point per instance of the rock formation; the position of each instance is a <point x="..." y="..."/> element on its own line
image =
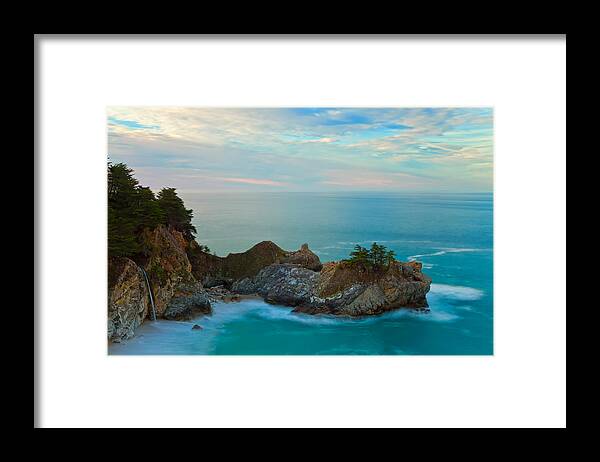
<point x="168" y="266"/>
<point x="212" y="270"/>
<point x="303" y="257"/>
<point x="341" y="288"/>
<point x="176" y="293"/>
<point x="127" y="298"/>
<point x="188" y="301"/>
<point x="183" y="278"/>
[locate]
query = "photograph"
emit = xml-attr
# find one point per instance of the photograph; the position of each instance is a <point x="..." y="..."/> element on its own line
<point x="300" y="231"/>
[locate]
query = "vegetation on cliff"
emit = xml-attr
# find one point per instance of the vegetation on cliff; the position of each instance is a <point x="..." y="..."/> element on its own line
<point x="377" y="257"/>
<point x="133" y="208"/>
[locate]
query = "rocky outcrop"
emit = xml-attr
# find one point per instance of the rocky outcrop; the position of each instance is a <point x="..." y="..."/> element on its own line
<point x="127" y="298"/>
<point x="304" y="257"/>
<point x="212" y="270"/>
<point x="168" y="266"/>
<point x="176" y="293"/>
<point x="340" y="288"/>
<point x="188" y="301"/>
<point x="283" y="284"/>
<point x="185" y="280"/>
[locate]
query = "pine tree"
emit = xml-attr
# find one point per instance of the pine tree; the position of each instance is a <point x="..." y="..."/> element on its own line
<point x="148" y="212"/>
<point x="122" y="198"/>
<point x="133" y="208"/>
<point x="377" y="255"/>
<point x="360" y="256"/>
<point x="390" y="257"/>
<point x="174" y="212"/>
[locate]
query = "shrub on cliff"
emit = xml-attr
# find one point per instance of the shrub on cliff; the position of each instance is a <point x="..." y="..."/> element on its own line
<point x="175" y="213"/>
<point x="133" y="208"/>
<point x="377" y="257"/>
<point x="123" y="200"/>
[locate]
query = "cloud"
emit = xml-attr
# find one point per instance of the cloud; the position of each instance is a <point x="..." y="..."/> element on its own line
<point x="259" y="147"/>
<point x="254" y="181"/>
<point x="320" y="140"/>
<point x="373" y="180"/>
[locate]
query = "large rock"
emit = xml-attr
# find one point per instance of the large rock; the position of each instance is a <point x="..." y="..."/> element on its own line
<point x="304" y="257"/>
<point x="340" y="288"/>
<point x="168" y="265"/>
<point x="213" y="270"/>
<point x="128" y="298"/>
<point x="244" y="286"/>
<point x="189" y="301"/>
<point x="286" y="284"/>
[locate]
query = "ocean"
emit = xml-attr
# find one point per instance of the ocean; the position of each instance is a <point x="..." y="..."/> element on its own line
<point x="451" y="234"/>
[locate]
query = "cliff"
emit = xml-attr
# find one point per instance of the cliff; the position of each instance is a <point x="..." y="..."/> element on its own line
<point x="175" y="292"/>
<point x="213" y="270"/>
<point x="183" y="279"/>
<point x="127" y="298"/>
<point x="341" y="288"/>
<point x="180" y="276"/>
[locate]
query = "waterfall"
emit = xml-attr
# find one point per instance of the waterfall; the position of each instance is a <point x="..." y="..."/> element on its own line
<point x="150" y="293"/>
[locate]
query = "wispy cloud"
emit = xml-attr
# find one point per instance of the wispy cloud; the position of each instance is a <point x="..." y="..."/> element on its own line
<point x="253" y="181"/>
<point x="294" y="149"/>
<point x="320" y="140"/>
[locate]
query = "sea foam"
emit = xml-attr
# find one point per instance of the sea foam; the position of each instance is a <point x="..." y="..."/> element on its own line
<point x="455" y="292"/>
<point x="446" y="250"/>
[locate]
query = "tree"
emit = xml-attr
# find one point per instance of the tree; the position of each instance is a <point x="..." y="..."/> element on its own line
<point x="122" y="198"/>
<point x="132" y="208"/>
<point x="390" y="257"/>
<point x="360" y="256"/>
<point x="148" y="212"/>
<point x="122" y="186"/>
<point x="174" y="212"/>
<point x="376" y="257"/>
<point x="121" y="236"/>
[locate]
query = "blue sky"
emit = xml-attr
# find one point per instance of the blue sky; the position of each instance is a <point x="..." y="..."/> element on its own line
<point x="305" y="149"/>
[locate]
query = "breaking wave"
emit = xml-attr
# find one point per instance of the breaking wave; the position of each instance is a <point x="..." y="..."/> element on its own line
<point x="444" y="251"/>
<point x="455" y="292"/>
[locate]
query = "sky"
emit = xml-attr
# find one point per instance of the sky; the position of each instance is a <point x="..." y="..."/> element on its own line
<point x="305" y="149"/>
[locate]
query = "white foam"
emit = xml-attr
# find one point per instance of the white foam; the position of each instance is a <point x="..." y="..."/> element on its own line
<point x="172" y="337"/>
<point x="455" y="292"/>
<point x="414" y="257"/>
<point x="446" y="250"/>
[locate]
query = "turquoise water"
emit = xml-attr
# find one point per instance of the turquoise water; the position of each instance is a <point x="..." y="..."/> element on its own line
<point x="450" y="233"/>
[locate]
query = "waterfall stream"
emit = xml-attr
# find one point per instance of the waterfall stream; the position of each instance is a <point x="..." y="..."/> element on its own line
<point x="150" y="293"/>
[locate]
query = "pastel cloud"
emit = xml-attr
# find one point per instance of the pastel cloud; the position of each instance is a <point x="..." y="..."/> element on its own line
<point x="434" y="149"/>
<point x="254" y="181"/>
<point x="320" y="140"/>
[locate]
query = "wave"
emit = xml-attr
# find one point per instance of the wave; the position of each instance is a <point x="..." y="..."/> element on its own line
<point x="442" y="299"/>
<point x="445" y="250"/>
<point x="455" y="292"/>
<point x="383" y="241"/>
<point x="440" y="311"/>
<point x="448" y="303"/>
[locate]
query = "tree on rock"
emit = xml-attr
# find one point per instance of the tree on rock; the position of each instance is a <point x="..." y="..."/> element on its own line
<point x="390" y="257"/>
<point x="360" y="255"/>
<point x="133" y="208"/>
<point x="174" y="212"/>
<point x="122" y="200"/>
<point x="377" y="254"/>
<point x="377" y="257"/>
